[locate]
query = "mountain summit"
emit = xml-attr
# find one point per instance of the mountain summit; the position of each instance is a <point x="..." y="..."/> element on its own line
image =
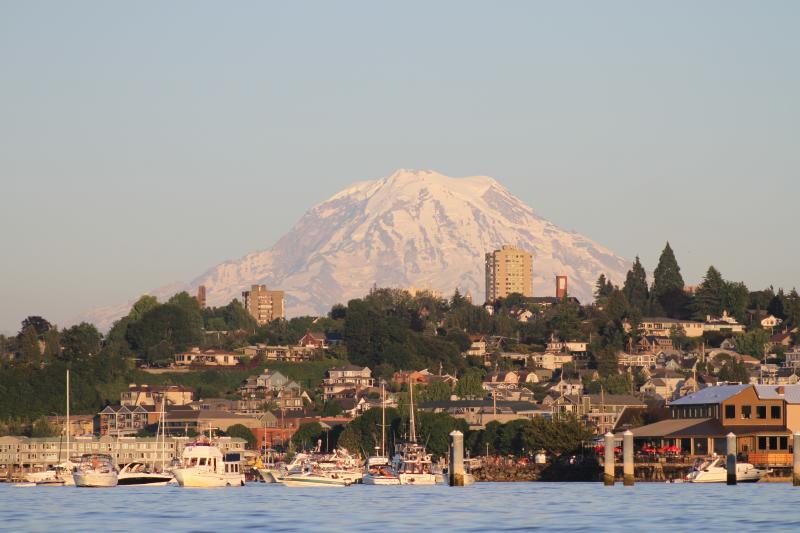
<point x="414" y="228"/>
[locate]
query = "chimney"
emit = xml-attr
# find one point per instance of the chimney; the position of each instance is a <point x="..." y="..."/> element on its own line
<point x="201" y="296"/>
<point x="561" y="287"/>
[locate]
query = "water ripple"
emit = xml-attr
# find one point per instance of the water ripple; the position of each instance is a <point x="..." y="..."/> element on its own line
<point x="507" y="507"/>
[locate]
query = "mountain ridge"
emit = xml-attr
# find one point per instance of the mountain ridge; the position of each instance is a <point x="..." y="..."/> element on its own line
<point x="411" y="228"/>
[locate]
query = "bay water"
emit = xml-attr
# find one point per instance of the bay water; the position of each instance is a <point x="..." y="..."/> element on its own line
<point x="480" y="507"/>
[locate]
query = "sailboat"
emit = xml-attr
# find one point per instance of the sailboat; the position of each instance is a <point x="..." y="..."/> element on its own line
<point x="411" y="461"/>
<point x="60" y="474"/>
<point x="379" y="470"/>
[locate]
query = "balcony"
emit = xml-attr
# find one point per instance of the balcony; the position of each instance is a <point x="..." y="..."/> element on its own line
<point x="770" y="458"/>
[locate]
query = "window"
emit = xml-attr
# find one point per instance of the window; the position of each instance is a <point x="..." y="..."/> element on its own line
<point x="783" y="443"/>
<point x="773" y="443"/>
<point x="762" y="443"/>
<point x="730" y="411"/>
<point x="775" y="412"/>
<point x="747" y="411"/>
<point x="761" y="412"/>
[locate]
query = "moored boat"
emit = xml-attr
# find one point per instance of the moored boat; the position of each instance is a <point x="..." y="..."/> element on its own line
<point x="714" y="470"/>
<point x="379" y="471"/>
<point x="204" y="465"/>
<point x="95" y="470"/>
<point x="60" y="474"/>
<point x="138" y="474"/>
<point x="312" y="476"/>
<point x="412" y="462"/>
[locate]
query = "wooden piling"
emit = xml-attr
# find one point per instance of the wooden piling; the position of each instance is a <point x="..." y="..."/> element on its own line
<point x="627" y="459"/>
<point x="456" y="469"/>
<point x="731" y="459"/>
<point x="608" y="464"/>
<point x="796" y="459"/>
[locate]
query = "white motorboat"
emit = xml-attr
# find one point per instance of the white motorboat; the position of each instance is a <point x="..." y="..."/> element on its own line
<point x="380" y="472"/>
<point x="312" y="476"/>
<point x="95" y="470"/>
<point x="340" y="463"/>
<point x="60" y="474"/>
<point x="138" y="474"/>
<point x="204" y="465"/>
<point x="270" y="474"/>
<point x="714" y="470"/>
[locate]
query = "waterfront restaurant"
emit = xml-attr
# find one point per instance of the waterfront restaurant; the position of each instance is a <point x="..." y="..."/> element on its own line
<point x="763" y="418"/>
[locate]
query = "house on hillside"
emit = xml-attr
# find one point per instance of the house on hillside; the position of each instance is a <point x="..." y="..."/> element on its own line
<point x="313" y="339"/>
<point x="196" y="357"/>
<point x="346" y="378"/>
<point x="477" y="347"/>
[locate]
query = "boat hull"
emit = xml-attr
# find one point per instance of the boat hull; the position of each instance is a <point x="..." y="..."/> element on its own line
<point x="95" y="479"/>
<point x="745" y="473"/>
<point x="379" y="480"/>
<point x="417" y="479"/>
<point x="314" y="481"/>
<point x="189" y="477"/>
<point x="154" y="480"/>
<point x="269" y="475"/>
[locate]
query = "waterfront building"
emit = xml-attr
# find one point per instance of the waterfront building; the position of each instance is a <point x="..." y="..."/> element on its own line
<point x="263" y="305"/>
<point x="508" y="270"/>
<point x="763" y="418"/>
<point x="39" y="453"/>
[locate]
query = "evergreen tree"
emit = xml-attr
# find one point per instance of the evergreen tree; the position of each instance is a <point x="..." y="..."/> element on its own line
<point x="734" y="299"/>
<point x="52" y="346"/>
<point x="602" y="289"/>
<point x="29" y="345"/>
<point x="144" y="304"/>
<point x="667" y="290"/>
<point x="39" y="325"/>
<point x="635" y="288"/>
<point x="667" y="275"/>
<point x="708" y="299"/>
<point x="776" y="305"/>
<point x="792" y="309"/>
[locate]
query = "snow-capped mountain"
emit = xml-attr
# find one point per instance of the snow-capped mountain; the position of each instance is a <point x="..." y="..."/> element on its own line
<point x="414" y="228"/>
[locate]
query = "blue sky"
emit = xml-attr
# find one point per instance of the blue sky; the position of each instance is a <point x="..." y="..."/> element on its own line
<point x="133" y="136"/>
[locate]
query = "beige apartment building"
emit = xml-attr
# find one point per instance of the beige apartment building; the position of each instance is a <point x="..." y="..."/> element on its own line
<point x="262" y="304"/>
<point x="508" y="270"/>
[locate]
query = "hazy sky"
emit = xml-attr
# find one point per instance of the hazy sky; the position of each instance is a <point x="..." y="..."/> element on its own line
<point x="143" y="142"/>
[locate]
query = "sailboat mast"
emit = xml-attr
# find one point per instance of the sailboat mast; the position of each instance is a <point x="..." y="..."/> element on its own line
<point x="68" y="427"/>
<point x="383" y="419"/>
<point x="162" y="429"/>
<point x="412" y="427"/>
